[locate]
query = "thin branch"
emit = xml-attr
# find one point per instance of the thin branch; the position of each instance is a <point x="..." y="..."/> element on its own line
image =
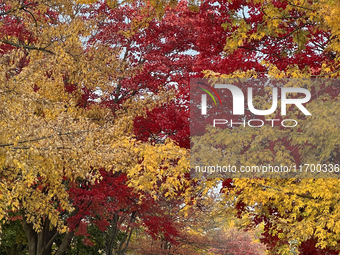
<point x="27" y="46"/>
<point x="289" y="193"/>
<point x="27" y="148"/>
<point x="128" y="240"/>
<point x="4" y="13"/>
<point x="13" y="10"/>
<point x="299" y="6"/>
<point x="50" y="242"/>
<point x="292" y="32"/>
<point x="35" y="21"/>
<point x="251" y="49"/>
<point x="46" y="137"/>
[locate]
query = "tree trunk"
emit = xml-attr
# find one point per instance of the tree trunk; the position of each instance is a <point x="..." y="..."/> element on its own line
<point x="40" y="243"/>
<point x="112" y="234"/>
<point x="65" y="243"/>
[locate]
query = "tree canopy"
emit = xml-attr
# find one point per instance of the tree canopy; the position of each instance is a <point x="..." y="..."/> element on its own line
<point x="94" y="123"/>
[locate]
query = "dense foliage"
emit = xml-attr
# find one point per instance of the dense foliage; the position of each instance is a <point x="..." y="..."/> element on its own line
<point x="94" y="122"/>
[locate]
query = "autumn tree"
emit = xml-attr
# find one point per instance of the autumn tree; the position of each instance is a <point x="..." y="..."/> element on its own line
<point x="118" y="212"/>
<point x="88" y="86"/>
<point x="291" y="39"/>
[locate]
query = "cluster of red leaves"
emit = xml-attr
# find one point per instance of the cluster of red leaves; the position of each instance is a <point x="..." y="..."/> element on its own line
<point x="111" y="197"/>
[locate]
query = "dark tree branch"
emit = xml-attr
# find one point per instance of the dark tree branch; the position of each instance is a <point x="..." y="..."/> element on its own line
<point x="29" y="47"/>
<point x="46" y="137"/>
